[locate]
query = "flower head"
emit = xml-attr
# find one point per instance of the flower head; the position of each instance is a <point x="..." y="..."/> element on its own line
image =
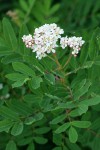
<point x="28" y="40"/>
<point x="73" y="42"/>
<point x="44" y="40"/>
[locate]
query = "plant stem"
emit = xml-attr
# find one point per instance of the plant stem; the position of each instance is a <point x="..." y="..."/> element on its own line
<point x="51" y="58"/>
<point x="57" y="62"/>
<point x="74" y="71"/>
<point x="67" y="61"/>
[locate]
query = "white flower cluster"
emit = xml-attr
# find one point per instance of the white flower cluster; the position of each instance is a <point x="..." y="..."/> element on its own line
<point x="28" y="40"/>
<point x="64" y="42"/>
<point x="73" y="42"/>
<point x="44" y="39"/>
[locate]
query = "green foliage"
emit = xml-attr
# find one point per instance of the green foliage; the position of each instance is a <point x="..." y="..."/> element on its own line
<point x="81" y="124"/>
<point x="35" y="82"/>
<point x="75" y="17"/>
<point x="63" y="128"/>
<point x="35" y="12"/>
<point x="22" y="68"/>
<point x="17" y="128"/>
<point x="11" y="146"/>
<point x="9" y="35"/>
<point x="5" y="125"/>
<point x="73" y="135"/>
<point x="42" y="105"/>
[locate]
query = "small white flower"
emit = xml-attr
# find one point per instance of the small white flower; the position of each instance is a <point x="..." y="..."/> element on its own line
<point x="73" y="42"/>
<point x="64" y="42"/>
<point x="28" y="40"/>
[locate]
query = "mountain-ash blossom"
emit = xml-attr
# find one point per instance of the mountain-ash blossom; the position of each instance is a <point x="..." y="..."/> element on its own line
<point x="73" y="42"/>
<point x="28" y="40"/>
<point x="44" y="40"/>
<point x="64" y="42"/>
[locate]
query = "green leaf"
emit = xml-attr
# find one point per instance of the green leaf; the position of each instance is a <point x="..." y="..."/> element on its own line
<point x="62" y="128"/>
<point x="22" y="48"/>
<point x="19" y="83"/>
<point x="40" y="140"/>
<point x="4" y="49"/>
<point x="73" y="63"/>
<point x="11" y="58"/>
<point x="50" y="78"/>
<point x="31" y="59"/>
<point x="87" y="64"/>
<point x="3" y="44"/>
<point x="54" y="9"/>
<point x="31" y="2"/>
<point x="93" y="45"/>
<point x="92" y="101"/>
<point x="31" y="98"/>
<point x="67" y="105"/>
<point x="22" y="68"/>
<point x="80" y="84"/>
<point x="8" y="113"/>
<point x="39" y="116"/>
<point x="47" y="5"/>
<point x="58" y="73"/>
<point x="58" y="119"/>
<point x="95" y="124"/>
<point x="72" y="146"/>
<point x="24" y="141"/>
<point x="11" y="145"/>
<point x="82" y="109"/>
<point x="5" y="125"/>
<point x="75" y="113"/>
<point x="79" y="111"/>
<point x="97" y="63"/>
<point x="20" y="107"/>
<point x="42" y="130"/>
<point x="38" y="15"/>
<point x="39" y="67"/>
<point x="17" y="128"/>
<point x="52" y="96"/>
<point x="73" y="136"/>
<point x="81" y="124"/>
<point x="9" y="34"/>
<point x="16" y="76"/>
<point x="4" y="53"/>
<point x="29" y="120"/>
<point x="35" y="82"/>
<point x="24" y="5"/>
<point x="57" y="139"/>
<point x="84" y="54"/>
<point x="33" y="119"/>
<point x="31" y="146"/>
<point x="80" y="92"/>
